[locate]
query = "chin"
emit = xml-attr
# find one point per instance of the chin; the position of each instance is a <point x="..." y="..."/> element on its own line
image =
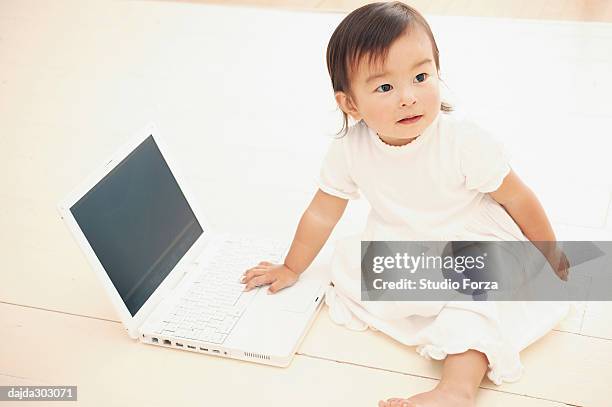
<point x="410" y="137"/>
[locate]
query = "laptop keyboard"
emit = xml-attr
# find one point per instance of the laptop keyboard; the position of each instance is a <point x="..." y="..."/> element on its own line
<point x="215" y="300"/>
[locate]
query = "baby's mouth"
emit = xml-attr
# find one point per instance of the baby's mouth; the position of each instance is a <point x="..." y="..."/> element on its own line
<point x="410" y="119"/>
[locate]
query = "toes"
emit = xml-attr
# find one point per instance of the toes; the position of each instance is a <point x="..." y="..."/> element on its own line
<point x="397" y="402"/>
<point x="402" y="403"/>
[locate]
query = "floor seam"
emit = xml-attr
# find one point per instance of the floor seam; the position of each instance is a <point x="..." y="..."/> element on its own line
<point x="428" y="377"/>
<point x="59" y="312"/>
<point x="586" y="336"/>
<point x="17" y="377"/>
<point x="39" y="382"/>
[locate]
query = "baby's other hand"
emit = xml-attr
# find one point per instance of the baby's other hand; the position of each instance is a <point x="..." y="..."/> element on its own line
<point x="559" y="263"/>
<point x="278" y="276"/>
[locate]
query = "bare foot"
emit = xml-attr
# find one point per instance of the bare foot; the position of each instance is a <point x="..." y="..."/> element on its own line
<point x="433" y="398"/>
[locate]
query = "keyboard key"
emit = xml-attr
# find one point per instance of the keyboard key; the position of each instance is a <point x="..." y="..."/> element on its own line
<point x="227" y="326"/>
<point x="214" y="323"/>
<point x="236" y="312"/>
<point x="217" y="338"/>
<point x="219" y="315"/>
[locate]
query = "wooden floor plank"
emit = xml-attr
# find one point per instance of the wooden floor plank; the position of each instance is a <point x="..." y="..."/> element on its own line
<point x="575" y="385"/>
<point x="108" y="368"/>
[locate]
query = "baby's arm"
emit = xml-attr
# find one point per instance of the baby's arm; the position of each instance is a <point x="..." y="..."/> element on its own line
<point x="524" y="207"/>
<point x="316" y="224"/>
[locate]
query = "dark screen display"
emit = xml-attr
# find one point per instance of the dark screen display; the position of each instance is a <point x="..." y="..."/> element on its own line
<point x="138" y="223"/>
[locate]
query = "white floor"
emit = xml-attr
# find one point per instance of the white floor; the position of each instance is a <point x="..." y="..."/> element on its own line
<point x="244" y="99"/>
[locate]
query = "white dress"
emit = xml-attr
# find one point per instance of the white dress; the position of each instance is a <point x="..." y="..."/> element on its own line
<point x="434" y="188"/>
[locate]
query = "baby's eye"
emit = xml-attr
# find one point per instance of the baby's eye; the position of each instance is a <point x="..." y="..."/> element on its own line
<point x="421" y="74"/>
<point x="386" y="84"/>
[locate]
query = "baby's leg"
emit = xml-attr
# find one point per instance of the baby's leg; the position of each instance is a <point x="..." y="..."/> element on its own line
<point x="461" y="376"/>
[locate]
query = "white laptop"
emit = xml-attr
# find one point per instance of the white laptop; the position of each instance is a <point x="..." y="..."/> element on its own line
<point x="173" y="280"/>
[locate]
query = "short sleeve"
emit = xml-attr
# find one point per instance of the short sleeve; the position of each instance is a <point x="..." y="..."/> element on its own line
<point x="483" y="159"/>
<point x="335" y="178"/>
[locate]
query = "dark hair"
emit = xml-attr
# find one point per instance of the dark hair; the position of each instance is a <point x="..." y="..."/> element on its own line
<point x="370" y="30"/>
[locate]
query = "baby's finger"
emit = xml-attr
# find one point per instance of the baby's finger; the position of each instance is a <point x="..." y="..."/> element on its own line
<point x="276" y="286"/>
<point x="257" y="267"/>
<point x="559" y="273"/>
<point x="254" y="272"/>
<point x="258" y="281"/>
<point x="565" y="268"/>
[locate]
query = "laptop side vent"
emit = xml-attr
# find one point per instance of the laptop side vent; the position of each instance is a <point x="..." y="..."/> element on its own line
<point x="256" y="355"/>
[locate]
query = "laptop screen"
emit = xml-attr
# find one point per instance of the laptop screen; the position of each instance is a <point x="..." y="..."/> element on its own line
<point x="138" y="223"/>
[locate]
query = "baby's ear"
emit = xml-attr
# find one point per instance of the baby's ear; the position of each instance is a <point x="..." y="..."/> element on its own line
<point x="345" y="103"/>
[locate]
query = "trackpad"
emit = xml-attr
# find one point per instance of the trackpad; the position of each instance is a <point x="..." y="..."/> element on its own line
<point x="297" y="298"/>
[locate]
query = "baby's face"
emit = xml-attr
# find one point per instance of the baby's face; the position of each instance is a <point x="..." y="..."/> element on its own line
<point x="407" y="86"/>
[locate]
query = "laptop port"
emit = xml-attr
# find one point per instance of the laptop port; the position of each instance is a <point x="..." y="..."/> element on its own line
<point x="216" y="350"/>
<point x="179" y="344"/>
<point x="154" y="340"/>
<point x="191" y="347"/>
<point x="167" y="342"/>
<point x="204" y="349"/>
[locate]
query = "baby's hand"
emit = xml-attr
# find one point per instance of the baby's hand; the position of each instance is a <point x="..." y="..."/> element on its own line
<point x="559" y="263"/>
<point x="278" y="276"/>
